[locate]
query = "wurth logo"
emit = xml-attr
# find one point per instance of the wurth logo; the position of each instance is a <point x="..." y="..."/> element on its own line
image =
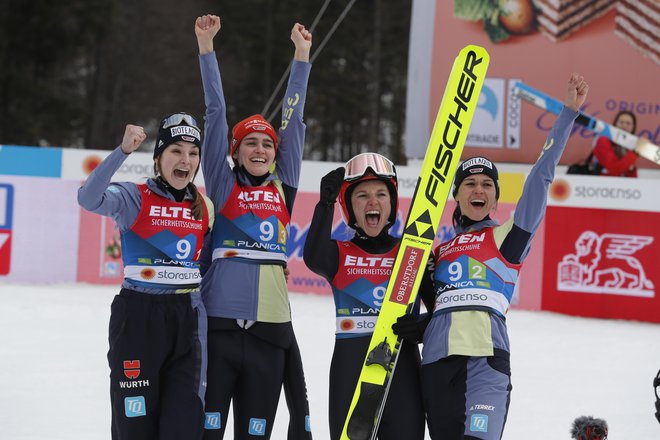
<point x="606" y="264"/>
<point x="132" y="369"/>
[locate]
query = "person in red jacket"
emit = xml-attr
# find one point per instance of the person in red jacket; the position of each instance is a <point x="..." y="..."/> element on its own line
<point x="614" y="159"/>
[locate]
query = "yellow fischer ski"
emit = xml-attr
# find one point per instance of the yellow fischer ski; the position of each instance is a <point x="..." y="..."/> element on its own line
<point x="437" y="174"/>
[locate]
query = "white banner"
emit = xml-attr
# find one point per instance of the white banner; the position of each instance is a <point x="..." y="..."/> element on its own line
<point x="622" y="194"/>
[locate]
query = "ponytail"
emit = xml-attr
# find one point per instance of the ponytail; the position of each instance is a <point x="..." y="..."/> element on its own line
<point x="198" y="202"/>
<point x="456" y="217"/>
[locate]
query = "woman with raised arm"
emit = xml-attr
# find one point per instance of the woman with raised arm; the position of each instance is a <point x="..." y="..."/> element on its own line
<point x="158" y="323"/>
<point x="466" y="375"/>
<point x="252" y="346"/>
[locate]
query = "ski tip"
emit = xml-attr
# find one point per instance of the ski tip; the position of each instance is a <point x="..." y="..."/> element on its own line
<point x="479" y="51"/>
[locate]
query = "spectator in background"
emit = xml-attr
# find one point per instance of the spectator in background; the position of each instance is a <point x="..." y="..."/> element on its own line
<point x="613" y="159"/>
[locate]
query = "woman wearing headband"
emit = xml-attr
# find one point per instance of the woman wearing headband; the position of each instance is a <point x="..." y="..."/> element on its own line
<point x="358" y="271"/>
<point x="158" y="323"/>
<point x="465" y="359"/>
<point x="252" y="347"/>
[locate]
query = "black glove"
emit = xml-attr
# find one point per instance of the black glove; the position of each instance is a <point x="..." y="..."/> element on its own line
<point x="330" y="185"/>
<point x="407" y="328"/>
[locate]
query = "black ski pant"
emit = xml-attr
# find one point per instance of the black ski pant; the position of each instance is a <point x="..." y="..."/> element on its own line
<point x="403" y="416"/>
<point x="467" y="397"/>
<point x="248" y="371"/>
<point x="157" y="361"/>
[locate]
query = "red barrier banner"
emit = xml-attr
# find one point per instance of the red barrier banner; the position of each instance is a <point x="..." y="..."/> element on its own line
<point x="602" y="263"/>
<point x="6" y="208"/>
<point x="99" y="250"/>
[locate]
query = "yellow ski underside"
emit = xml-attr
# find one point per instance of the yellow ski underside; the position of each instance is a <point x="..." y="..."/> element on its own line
<point x="436" y="176"/>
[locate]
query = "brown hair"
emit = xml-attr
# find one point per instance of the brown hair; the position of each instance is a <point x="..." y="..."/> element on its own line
<point x="198" y="202"/>
<point x="456" y="216"/>
<point x="629" y="113"/>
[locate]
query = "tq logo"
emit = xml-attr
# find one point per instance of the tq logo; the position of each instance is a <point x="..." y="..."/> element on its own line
<point x="606" y="264"/>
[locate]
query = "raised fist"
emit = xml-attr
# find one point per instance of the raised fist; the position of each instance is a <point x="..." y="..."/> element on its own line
<point x="133" y="136"/>
<point x="331" y="184"/>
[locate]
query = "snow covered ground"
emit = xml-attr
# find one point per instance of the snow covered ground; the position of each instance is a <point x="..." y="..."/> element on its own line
<point x="54" y="382"/>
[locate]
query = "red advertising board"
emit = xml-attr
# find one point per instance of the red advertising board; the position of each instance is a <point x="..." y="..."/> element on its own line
<point x="601" y="263"/>
<point x="6" y="216"/>
<point x="99" y="251"/>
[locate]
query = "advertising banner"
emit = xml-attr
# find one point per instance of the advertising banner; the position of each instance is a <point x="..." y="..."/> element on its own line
<point x="30" y="161"/>
<point x="604" y="193"/>
<point x="42" y="215"/>
<point x="139" y="165"/>
<point x="604" y="265"/>
<point x="99" y="250"/>
<point x="614" y="44"/>
<point x="6" y="216"/>
<point x="601" y="248"/>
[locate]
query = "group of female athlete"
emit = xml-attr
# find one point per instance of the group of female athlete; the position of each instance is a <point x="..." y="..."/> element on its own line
<point x="202" y="321"/>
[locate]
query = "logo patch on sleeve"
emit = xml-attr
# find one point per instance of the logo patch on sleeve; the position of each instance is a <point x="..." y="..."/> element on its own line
<point x="212" y="420"/>
<point x="257" y="427"/>
<point x="479" y="423"/>
<point x="135" y="406"/>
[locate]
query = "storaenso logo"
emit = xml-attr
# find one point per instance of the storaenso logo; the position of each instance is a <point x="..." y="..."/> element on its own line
<point x="604" y="192"/>
<point x="453" y="127"/>
<point x="137" y="169"/>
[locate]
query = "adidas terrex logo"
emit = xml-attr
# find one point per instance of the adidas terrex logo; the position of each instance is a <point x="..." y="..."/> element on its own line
<point x="453" y="127"/>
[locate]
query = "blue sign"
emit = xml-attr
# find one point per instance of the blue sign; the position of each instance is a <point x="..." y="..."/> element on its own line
<point x="30" y="161"/>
